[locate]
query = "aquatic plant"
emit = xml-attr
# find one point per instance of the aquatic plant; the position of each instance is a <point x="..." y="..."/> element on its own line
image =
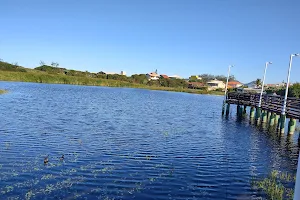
<point x="274" y="186"/>
<point x="28" y="195"/>
<point x="3" y="91"/>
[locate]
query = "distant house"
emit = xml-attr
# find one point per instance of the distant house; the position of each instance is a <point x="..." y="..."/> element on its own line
<point x="152" y="76"/>
<point x="275" y="85"/>
<point x="195" y="85"/>
<point x="175" y="77"/>
<point x="215" y="84"/>
<point x="123" y="73"/>
<point x="234" y="84"/>
<point x="195" y="77"/>
<point x="112" y="73"/>
<point x="164" y="76"/>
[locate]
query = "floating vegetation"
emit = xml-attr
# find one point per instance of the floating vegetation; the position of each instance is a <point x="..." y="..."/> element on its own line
<point x="47" y="176"/>
<point x="274" y="186"/>
<point x="28" y="195"/>
<point x="7" y="145"/>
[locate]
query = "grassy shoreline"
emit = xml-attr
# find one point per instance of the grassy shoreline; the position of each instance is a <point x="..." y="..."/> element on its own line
<point x="3" y="91"/>
<point x="43" y="77"/>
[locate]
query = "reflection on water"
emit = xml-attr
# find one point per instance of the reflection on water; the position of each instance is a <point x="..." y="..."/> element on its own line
<point x="123" y="143"/>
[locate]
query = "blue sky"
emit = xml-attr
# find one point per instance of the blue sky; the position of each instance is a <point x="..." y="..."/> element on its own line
<point x="181" y="37"/>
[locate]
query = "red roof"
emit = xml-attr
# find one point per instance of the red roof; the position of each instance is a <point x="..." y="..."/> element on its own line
<point x="196" y="84"/>
<point x="233" y="83"/>
<point x="164" y="76"/>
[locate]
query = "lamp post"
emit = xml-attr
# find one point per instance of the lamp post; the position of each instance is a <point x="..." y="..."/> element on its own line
<point x="283" y="117"/>
<point x="263" y="83"/>
<point x="287" y="83"/>
<point x="258" y="109"/>
<point x="225" y="93"/>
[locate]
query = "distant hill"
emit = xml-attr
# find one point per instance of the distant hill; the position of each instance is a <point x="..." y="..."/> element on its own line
<point x="252" y="84"/>
<point x="11" y="67"/>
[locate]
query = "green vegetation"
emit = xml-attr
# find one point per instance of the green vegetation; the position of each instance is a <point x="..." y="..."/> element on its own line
<point x="208" y="77"/>
<point x="11" y="67"/>
<point x="56" y="75"/>
<point x="2" y="91"/>
<point x="258" y="82"/>
<point x="294" y="90"/>
<point x="277" y="185"/>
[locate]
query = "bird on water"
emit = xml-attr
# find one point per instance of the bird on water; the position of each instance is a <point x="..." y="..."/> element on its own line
<point x="46" y="159"/>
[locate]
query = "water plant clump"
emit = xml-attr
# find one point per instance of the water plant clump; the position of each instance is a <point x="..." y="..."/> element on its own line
<point x="3" y="91"/>
<point x="277" y="186"/>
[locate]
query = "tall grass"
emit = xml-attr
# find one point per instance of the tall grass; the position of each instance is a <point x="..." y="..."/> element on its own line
<point x="44" y="77"/>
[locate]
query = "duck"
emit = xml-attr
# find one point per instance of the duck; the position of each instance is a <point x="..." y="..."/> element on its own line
<point x="46" y="159"/>
<point x="62" y="157"/>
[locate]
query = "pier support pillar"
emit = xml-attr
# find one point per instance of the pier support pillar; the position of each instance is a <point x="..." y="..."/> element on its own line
<point x="227" y="109"/>
<point x="245" y="110"/>
<point x="282" y="123"/>
<point x="223" y="108"/>
<point x="264" y="116"/>
<point x="269" y="115"/>
<point x="277" y="119"/>
<point x="252" y="112"/>
<point x="272" y="119"/>
<point x="241" y="111"/>
<point x="292" y="126"/>
<point x="237" y="110"/>
<point x="258" y="113"/>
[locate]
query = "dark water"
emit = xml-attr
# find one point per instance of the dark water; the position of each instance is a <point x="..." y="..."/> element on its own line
<point x="122" y="143"/>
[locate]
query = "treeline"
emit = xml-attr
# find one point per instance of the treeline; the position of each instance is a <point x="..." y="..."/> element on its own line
<point x="208" y="77"/>
<point x="136" y="78"/>
<point x="55" y="70"/>
<point x="294" y="90"/>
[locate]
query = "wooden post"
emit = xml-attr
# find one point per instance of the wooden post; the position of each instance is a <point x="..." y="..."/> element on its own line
<point x="282" y="123"/>
<point x="264" y="116"/>
<point x="292" y="126"/>
<point x="241" y="111"/>
<point x="258" y="113"/>
<point x="238" y="110"/>
<point x="272" y="119"/>
<point x="269" y="115"/>
<point x="227" y="109"/>
<point x="223" y="108"/>
<point x="245" y="110"/>
<point x="277" y="119"/>
<point x="252" y="112"/>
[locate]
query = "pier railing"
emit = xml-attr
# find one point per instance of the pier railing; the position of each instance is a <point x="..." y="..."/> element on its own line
<point x="272" y="103"/>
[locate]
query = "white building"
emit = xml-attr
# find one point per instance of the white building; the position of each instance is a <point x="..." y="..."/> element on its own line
<point x="215" y="84"/>
<point x="152" y="76"/>
<point x="175" y="77"/>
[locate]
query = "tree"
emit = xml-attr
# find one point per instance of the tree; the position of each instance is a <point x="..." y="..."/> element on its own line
<point x="258" y="82"/>
<point x="53" y="64"/>
<point x="139" y="78"/>
<point x="42" y="63"/>
<point x="295" y="90"/>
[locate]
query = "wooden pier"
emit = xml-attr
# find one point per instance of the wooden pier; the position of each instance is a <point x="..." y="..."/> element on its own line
<point x="270" y="110"/>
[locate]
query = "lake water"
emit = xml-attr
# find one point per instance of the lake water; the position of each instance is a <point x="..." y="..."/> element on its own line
<point x="122" y="143"/>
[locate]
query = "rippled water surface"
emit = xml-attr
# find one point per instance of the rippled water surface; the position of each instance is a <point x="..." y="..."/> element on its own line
<point x="122" y="143"/>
